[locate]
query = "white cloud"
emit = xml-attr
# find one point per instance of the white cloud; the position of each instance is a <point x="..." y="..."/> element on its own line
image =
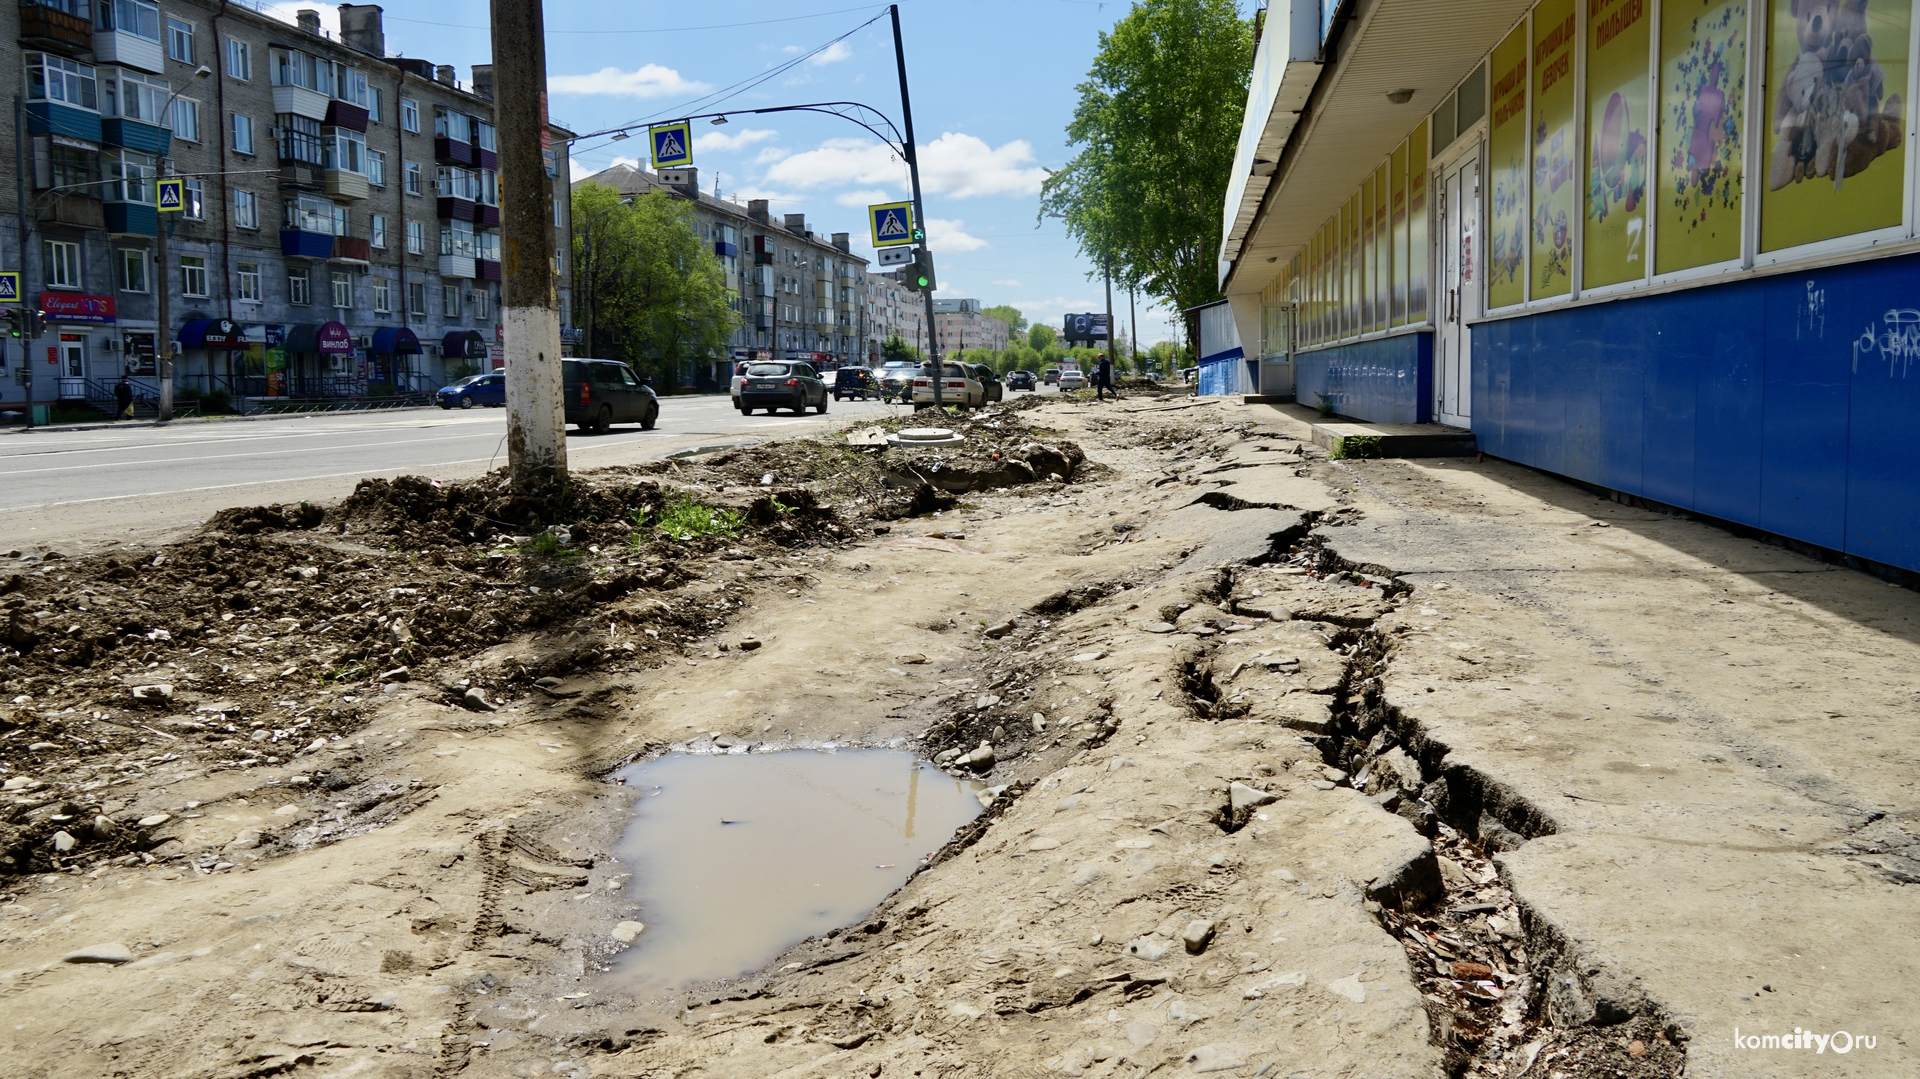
<point x="863" y="197"/>
<point x="1008" y="284"/>
<point x="950" y="237"/>
<point x="777" y="198"/>
<point x="650" y="80"/>
<point x="717" y="141"/>
<point x="955" y="165"/>
<point x="770" y="155"/>
<point x="833" y="54"/>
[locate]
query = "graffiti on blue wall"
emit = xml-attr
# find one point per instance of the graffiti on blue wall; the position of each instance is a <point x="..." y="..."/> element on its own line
<point x="1896" y="341"/>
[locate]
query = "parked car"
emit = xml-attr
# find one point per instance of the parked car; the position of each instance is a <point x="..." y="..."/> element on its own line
<point x="854" y="382"/>
<point x="1072" y="379"/>
<point x="601" y="393"/>
<point x="485" y="389"/>
<point x="739" y="377"/>
<point x="777" y="384"/>
<point x="959" y="388"/>
<point x="1020" y="380"/>
<point x="990" y="387"/>
<point x="894" y="376"/>
<point x="1053" y="376"/>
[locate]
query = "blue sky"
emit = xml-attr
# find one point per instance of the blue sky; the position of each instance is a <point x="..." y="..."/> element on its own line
<point x="993" y="84"/>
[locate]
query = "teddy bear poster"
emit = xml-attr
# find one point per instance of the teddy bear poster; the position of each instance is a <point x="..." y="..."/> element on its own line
<point x="1837" y="76"/>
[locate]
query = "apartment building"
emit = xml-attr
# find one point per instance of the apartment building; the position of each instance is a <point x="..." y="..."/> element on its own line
<point x="894" y="309"/>
<point x="962" y="326"/>
<point x="801" y="295"/>
<point x="340" y="235"/>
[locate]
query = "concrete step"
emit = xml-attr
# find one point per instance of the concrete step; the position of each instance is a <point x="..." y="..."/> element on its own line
<point x="1351" y="438"/>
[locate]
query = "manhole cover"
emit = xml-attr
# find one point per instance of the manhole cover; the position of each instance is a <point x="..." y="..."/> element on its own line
<point x="929" y="436"/>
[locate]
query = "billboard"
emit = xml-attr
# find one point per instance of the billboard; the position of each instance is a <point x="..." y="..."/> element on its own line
<point x="1088" y="326"/>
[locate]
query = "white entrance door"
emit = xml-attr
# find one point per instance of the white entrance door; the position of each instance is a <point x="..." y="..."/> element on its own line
<point x="1459" y="291"/>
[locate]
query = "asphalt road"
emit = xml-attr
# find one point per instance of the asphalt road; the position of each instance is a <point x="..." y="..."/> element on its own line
<point x="84" y="489"/>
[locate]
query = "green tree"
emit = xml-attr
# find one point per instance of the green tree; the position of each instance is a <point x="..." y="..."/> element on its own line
<point x="897" y="350"/>
<point x="650" y="292"/>
<point x="1040" y="337"/>
<point x="1016" y="322"/>
<point x="1157" y="123"/>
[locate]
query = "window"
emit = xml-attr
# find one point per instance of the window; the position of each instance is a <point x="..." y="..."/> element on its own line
<point x="186" y="119"/>
<point x="382" y="296"/>
<point x="376" y="168"/>
<point x="249" y="290"/>
<point x="55" y="78"/>
<point x="486" y="245"/>
<point x="450" y="302"/>
<point x="456" y="239"/>
<point x="482" y="302"/>
<point x="314" y="213"/>
<point x="460" y="183"/>
<point x="242" y="134"/>
<point x="489" y="188"/>
<point x="301" y="141"/>
<point x="292" y="68"/>
<point x="246" y="210"/>
<point x="376" y="104"/>
<point x="448" y="124"/>
<point x="483" y="135"/>
<point x="132" y="270"/>
<point x="343" y="289"/>
<point x="347" y="151"/>
<point x="409" y="115"/>
<point x="377" y="232"/>
<point x="413" y="178"/>
<point x="134" y="173"/>
<point x="298" y="284"/>
<point x="350" y="85"/>
<point x="193" y="275"/>
<point x="135" y="97"/>
<point x="179" y="40"/>
<point x="416" y="238"/>
<point x="239" y="60"/>
<point x="416" y="297"/>
<point x="141" y="18"/>
<point x="69" y="166"/>
<point x="196" y="196"/>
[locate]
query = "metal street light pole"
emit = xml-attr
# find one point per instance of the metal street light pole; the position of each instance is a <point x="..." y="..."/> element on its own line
<point x="1107" y="266"/>
<point x="536" y="415"/>
<point x="938" y="374"/>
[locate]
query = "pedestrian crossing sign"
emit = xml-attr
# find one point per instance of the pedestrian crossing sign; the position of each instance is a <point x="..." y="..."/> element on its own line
<point x="892" y="223"/>
<point x="672" y="144"/>
<point x="173" y="196"/>
<point x="10" y="287"/>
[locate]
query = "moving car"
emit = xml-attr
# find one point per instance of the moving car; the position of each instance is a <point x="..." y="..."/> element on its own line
<point x="959" y="388"/>
<point x="777" y="384"/>
<point x="601" y="393"/>
<point x="1072" y="378"/>
<point x="990" y="386"/>
<point x="854" y="382"/>
<point x="484" y="389"/>
<point x="1020" y="380"/>
<point x="1053" y="376"/>
<point x="894" y="376"/>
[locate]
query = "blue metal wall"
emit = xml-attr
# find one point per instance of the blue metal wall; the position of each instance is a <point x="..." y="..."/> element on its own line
<point x="1224" y="376"/>
<point x="1388" y="380"/>
<point x="1790" y="403"/>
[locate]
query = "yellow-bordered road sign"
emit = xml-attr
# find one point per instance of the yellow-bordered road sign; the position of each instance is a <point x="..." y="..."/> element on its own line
<point x="672" y="144"/>
<point x="172" y="196"/>
<point x="892" y="223"/>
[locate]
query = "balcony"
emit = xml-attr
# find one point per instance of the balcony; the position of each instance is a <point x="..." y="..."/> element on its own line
<point x="487" y="216"/>
<point x="489" y="269"/>
<point x="763" y="258"/>
<point x="487" y="160"/>
<point x="129" y="50"/>
<point x="53" y="118"/>
<point x="351" y="249"/>
<point x="458" y="266"/>
<point x="453" y="151"/>
<point x="131" y="219"/>
<point x="46" y="27"/>
<point x="300" y="176"/>
<point x="301" y="101"/>
<point x="135" y="135"/>
<point x="725" y="250"/>
<point x="81" y="210"/>
<point x="342" y="184"/>
<point x="453" y="209"/>
<point x="341" y="114"/>
<point x="301" y="244"/>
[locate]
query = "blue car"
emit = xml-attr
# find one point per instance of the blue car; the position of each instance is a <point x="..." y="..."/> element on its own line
<point x="489" y="390"/>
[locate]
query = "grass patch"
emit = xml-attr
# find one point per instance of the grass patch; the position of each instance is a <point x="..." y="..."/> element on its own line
<point x="1356" y="448"/>
<point x="685" y="518"/>
<point x="547" y="545"/>
<point x="1325" y="407"/>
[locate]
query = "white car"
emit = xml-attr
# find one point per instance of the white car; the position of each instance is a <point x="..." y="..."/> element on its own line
<point x="1072" y="378"/>
<point x="959" y="388"/>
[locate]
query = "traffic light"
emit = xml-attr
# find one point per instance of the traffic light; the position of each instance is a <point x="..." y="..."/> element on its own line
<point x="922" y="270"/>
<point x="16" y="322"/>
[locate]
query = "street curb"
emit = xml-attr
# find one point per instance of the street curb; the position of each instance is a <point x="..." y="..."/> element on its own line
<point x="131" y="424"/>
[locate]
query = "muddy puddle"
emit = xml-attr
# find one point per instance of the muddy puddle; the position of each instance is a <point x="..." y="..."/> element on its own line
<point x="736" y="857"/>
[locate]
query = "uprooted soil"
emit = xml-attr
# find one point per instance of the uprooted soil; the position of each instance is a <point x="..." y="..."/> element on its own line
<point x="330" y="779"/>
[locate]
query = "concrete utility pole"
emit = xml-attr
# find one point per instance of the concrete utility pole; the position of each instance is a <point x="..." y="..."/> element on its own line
<point x="163" y="341"/>
<point x="28" y="301"/>
<point x="919" y="209"/>
<point x="530" y="315"/>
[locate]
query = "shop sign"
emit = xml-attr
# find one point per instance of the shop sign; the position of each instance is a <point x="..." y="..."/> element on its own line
<point x="71" y="307"/>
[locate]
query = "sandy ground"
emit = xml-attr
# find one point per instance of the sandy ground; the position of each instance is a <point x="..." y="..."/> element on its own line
<point x="1310" y="768"/>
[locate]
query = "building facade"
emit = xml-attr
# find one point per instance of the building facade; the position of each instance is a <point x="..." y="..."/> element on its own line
<point x="801" y="295"/>
<point x="893" y="310"/>
<point x="1667" y="250"/>
<point x="961" y="326"/>
<point x="340" y="228"/>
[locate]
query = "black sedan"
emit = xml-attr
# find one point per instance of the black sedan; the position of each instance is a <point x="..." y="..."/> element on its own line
<point x="775" y="385"/>
<point x="1020" y="380"/>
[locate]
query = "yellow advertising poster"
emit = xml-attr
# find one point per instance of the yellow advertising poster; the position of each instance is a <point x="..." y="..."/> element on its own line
<point x="1417" y="225"/>
<point x="1397" y="200"/>
<point x="1507" y="151"/>
<point x="1618" y="43"/>
<point x="1554" y="153"/>
<point x="1835" y="70"/>
<point x="1703" y="93"/>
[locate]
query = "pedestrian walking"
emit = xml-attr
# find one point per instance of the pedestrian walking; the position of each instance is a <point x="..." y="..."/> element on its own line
<point x="123" y="399"/>
<point x="1103" y="379"/>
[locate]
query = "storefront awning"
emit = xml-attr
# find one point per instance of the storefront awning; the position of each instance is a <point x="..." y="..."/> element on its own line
<point x="464" y="345"/>
<point x="212" y="333"/>
<point x="324" y="337"/>
<point x="395" y="341"/>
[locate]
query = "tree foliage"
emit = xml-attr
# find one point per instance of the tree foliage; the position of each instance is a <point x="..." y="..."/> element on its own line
<point x="1040" y="335"/>
<point x="646" y="289"/>
<point x="1016" y="322"/>
<point x="1157" y="124"/>
<point x="897" y="350"/>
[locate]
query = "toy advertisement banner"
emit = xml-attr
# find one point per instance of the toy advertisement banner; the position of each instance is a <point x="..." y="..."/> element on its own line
<point x="1703" y="93"/>
<point x="1835" y="72"/>
<point x="1553" y="149"/>
<point x="1417" y="224"/>
<point x="1507" y="152"/>
<point x="1618" y="43"/>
